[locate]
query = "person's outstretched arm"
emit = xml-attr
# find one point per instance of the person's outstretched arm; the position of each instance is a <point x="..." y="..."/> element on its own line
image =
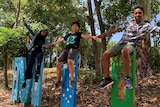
<point x="88" y="36"/>
<point x="53" y="44"/>
<point x="29" y="29"/>
<point x="107" y="33"/>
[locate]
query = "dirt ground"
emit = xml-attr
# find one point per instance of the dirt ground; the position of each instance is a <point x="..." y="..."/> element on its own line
<point x="147" y="93"/>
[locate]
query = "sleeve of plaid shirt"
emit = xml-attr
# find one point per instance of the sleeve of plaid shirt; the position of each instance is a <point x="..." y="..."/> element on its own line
<point x="153" y="29"/>
<point x="122" y="26"/>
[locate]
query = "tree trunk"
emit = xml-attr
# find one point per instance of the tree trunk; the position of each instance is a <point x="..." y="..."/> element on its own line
<point x="144" y="54"/>
<point x="95" y="49"/>
<point x="101" y="24"/>
<point x="17" y="13"/>
<point x="5" y="56"/>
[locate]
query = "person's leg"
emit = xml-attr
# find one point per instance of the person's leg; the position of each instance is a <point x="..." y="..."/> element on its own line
<point x="28" y="72"/>
<point x="30" y="62"/>
<point x="62" y="59"/>
<point x="59" y="71"/>
<point x="127" y="49"/>
<point x="115" y="50"/>
<point x="106" y="62"/>
<point x="70" y="61"/>
<point x="39" y="56"/>
<point x="126" y="60"/>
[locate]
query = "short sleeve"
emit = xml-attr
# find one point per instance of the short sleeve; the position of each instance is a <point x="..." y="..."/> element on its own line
<point x="65" y="37"/>
<point x="122" y="26"/>
<point x="79" y="34"/>
<point x="153" y="29"/>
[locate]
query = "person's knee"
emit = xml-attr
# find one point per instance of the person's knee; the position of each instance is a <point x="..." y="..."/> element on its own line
<point x="59" y="65"/>
<point x="125" y="52"/>
<point x="107" y="54"/>
<point x="70" y="62"/>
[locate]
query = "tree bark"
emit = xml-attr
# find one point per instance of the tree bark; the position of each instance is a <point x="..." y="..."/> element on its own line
<point x="101" y="24"/>
<point x="144" y="54"/>
<point x="17" y="13"/>
<point x="5" y="56"/>
<point x="95" y="49"/>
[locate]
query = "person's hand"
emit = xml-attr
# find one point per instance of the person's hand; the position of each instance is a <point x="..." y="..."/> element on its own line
<point x="23" y="19"/>
<point x="94" y="37"/>
<point x="101" y="36"/>
<point x="53" y="45"/>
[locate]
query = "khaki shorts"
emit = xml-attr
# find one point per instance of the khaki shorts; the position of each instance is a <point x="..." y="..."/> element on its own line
<point x="118" y="47"/>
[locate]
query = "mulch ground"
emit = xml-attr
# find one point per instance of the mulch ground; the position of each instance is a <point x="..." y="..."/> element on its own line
<point x="147" y="93"/>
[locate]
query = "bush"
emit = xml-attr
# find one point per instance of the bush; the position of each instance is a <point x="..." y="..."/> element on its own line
<point x="88" y="76"/>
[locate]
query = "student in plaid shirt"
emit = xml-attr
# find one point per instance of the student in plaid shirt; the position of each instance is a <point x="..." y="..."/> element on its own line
<point x="134" y="32"/>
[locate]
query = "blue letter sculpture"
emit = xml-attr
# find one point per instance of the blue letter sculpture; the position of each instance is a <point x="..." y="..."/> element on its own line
<point x="19" y="68"/>
<point x="68" y="94"/>
<point x="32" y="87"/>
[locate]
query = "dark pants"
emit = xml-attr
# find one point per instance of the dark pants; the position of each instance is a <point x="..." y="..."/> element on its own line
<point x="31" y="60"/>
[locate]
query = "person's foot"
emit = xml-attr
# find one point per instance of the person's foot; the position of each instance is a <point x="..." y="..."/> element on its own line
<point x="105" y="83"/>
<point x="37" y="75"/>
<point x="38" y="72"/>
<point x="24" y="85"/>
<point x="36" y="78"/>
<point x="128" y="83"/>
<point x="57" y="85"/>
<point x="72" y="83"/>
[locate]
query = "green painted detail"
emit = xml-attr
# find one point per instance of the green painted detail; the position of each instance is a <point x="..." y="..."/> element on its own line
<point x="120" y="96"/>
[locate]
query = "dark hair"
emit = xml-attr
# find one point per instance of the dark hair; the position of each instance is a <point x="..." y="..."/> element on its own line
<point x="77" y="23"/>
<point x="139" y="7"/>
<point x="43" y="30"/>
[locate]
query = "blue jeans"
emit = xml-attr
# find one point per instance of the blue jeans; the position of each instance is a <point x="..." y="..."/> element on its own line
<point x="30" y="62"/>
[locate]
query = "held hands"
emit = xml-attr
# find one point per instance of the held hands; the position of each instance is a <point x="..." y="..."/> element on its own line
<point x="53" y="44"/>
<point x="101" y="36"/>
<point x="94" y="37"/>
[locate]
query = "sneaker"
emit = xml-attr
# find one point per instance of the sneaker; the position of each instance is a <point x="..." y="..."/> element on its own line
<point x="57" y="85"/>
<point x="38" y="72"/>
<point x="36" y="78"/>
<point x="128" y="83"/>
<point x="106" y="82"/>
<point x="72" y="83"/>
<point x="24" y="85"/>
<point x="37" y="75"/>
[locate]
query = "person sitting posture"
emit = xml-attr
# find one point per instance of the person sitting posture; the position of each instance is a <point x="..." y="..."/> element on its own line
<point x="69" y="53"/>
<point x="134" y="31"/>
<point x="34" y="51"/>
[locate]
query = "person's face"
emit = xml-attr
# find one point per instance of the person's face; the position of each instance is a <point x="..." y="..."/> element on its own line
<point x="138" y="14"/>
<point x="44" y="33"/>
<point x="75" y="28"/>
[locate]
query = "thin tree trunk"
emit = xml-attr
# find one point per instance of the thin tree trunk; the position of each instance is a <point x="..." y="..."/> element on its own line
<point x="5" y="56"/>
<point x="95" y="49"/>
<point x="17" y="13"/>
<point x="101" y="24"/>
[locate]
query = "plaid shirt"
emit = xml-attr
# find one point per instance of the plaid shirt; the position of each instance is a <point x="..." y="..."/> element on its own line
<point x="134" y="34"/>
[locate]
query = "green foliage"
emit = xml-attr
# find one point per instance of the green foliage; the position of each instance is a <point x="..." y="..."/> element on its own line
<point x="155" y="8"/>
<point x="88" y="76"/>
<point x="11" y="40"/>
<point x="115" y="11"/>
<point x="110" y="44"/>
<point x="155" y="53"/>
<point x="22" y="3"/>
